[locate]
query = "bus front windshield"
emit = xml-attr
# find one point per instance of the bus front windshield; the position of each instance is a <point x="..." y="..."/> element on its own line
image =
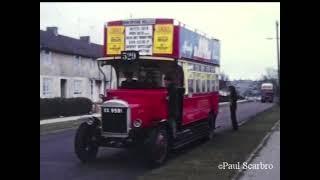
<point x="142" y="75"/>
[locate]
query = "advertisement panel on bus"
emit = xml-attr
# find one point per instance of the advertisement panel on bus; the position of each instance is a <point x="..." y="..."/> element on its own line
<point x="148" y="36"/>
<point x="160" y="37"/>
<point x="196" y="46"/>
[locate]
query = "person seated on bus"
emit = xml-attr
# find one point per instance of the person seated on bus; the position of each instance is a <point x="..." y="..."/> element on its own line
<point x="150" y="80"/>
<point x="129" y="82"/>
<point x="141" y="79"/>
<point x="147" y="80"/>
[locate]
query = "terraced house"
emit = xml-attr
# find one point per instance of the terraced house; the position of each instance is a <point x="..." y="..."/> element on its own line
<point x="68" y="66"/>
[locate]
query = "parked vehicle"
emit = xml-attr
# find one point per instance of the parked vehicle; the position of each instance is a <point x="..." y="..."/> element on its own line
<point x="267" y="92"/>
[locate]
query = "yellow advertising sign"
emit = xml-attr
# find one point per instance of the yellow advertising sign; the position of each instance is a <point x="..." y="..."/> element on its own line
<point x="163" y="39"/>
<point x="115" y="39"/>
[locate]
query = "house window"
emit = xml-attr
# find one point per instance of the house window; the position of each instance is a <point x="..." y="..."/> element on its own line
<point x="91" y="87"/>
<point x="47" y="87"/>
<point x="47" y="57"/>
<point x="77" y="87"/>
<point x="93" y="63"/>
<point x="77" y="60"/>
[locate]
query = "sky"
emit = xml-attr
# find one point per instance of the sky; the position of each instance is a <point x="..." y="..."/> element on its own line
<point x="242" y="28"/>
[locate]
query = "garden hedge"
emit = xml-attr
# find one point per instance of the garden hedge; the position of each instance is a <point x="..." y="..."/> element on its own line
<point x="56" y="107"/>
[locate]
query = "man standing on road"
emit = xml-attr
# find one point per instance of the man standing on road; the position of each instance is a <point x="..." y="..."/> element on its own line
<point x="233" y="107"/>
<point x="172" y="99"/>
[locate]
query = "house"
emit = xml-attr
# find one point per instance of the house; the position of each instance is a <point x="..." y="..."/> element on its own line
<point x="68" y="66"/>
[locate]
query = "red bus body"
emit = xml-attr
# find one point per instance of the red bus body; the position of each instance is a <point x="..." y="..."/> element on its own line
<point x="151" y="105"/>
<point x="143" y="116"/>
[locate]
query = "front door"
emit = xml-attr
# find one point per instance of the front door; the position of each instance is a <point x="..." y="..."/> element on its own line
<point x="63" y="84"/>
<point x="98" y="89"/>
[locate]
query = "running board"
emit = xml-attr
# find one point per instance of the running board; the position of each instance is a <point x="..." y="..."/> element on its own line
<point x="182" y="143"/>
<point x="191" y="134"/>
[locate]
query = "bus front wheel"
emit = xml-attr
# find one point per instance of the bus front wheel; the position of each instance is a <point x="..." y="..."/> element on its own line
<point x="158" y="147"/>
<point x="85" y="147"/>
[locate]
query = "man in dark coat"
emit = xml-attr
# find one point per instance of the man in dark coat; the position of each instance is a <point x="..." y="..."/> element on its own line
<point x="172" y="101"/>
<point x="233" y="107"/>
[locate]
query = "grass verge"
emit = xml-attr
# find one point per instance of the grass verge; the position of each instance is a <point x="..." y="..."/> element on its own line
<point x="202" y="161"/>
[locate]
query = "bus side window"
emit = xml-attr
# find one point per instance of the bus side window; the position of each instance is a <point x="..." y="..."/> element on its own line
<point x="208" y="86"/>
<point x="198" y="86"/>
<point x="203" y="85"/>
<point x="212" y="85"/>
<point x="217" y="85"/>
<point x="190" y="86"/>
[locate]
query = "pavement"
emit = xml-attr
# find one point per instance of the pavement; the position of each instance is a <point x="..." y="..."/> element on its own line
<point x="64" y="119"/>
<point x="58" y="160"/>
<point x="269" y="154"/>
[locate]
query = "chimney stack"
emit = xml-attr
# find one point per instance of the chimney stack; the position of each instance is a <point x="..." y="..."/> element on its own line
<point x="53" y="30"/>
<point x="85" y="38"/>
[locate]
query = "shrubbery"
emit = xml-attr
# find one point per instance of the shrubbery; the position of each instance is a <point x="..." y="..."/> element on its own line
<point x="55" y="107"/>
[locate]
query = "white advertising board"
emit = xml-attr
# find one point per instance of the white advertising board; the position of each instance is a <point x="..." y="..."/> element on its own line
<point x="139" y="38"/>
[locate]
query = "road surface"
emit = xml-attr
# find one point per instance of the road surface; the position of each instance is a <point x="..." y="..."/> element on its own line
<point x="58" y="160"/>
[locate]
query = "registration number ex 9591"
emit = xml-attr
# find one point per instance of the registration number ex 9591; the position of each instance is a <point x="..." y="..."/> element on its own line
<point x="112" y="110"/>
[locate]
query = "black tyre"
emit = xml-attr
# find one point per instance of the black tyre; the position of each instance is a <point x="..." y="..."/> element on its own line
<point x="158" y="147"/>
<point x="85" y="146"/>
<point x="212" y="126"/>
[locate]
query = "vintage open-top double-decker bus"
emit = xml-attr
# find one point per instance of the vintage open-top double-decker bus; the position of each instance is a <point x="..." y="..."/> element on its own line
<point x="146" y="113"/>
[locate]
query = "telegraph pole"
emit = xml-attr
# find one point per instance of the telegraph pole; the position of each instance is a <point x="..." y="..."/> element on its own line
<point x="278" y="55"/>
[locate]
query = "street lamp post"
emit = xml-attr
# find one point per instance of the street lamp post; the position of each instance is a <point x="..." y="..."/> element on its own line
<point x="278" y="55"/>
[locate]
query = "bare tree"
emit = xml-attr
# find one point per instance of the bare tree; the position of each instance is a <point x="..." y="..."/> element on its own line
<point x="224" y="79"/>
<point x="271" y="73"/>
